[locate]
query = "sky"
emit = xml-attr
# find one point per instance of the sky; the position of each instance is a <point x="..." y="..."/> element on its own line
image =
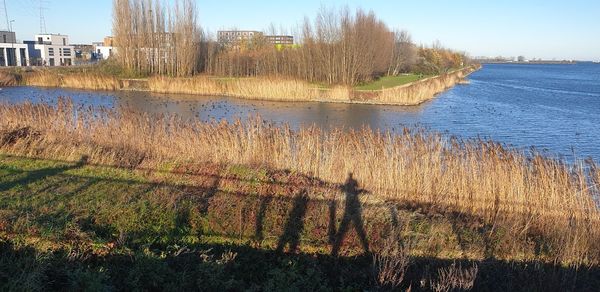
<point x="550" y="29"/>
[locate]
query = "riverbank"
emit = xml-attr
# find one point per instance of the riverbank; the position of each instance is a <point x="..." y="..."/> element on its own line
<point x="542" y="197"/>
<point x="413" y="93"/>
<point x="229" y="227"/>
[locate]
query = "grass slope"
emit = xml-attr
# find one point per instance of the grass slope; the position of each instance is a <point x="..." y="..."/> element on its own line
<point x="74" y="226"/>
<point x="390" y="81"/>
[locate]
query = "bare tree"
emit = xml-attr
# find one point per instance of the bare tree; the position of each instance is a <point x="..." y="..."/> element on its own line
<point x="154" y="39"/>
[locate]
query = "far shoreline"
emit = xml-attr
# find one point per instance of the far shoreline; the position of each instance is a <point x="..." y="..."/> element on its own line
<point x="260" y="88"/>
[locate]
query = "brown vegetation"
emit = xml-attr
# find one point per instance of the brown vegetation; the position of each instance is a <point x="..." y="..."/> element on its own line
<point x="93" y="81"/>
<point x="153" y="39"/>
<point x="522" y="195"/>
<point x="416" y="92"/>
<point x="275" y="89"/>
<point x="8" y="79"/>
<point x="297" y="90"/>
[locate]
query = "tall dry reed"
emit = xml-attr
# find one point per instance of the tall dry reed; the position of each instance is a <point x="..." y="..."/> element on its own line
<point x="275" y="89"/>
<point x="423" y="90"/>
<point x="279" y="89"/>
<point x="8" y="79"/>
<point x="90" y="81"/>
<point x="540" y="195"/>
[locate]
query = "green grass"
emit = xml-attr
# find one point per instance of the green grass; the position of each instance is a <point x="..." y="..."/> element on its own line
<point x="71" y="226"/>
<point x="390" y="81"/>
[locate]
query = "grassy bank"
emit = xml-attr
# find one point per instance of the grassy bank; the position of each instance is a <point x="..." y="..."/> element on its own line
<point x="214" y="227"/>
<point x="386" y="82"/>
<point x="400" y="90"/>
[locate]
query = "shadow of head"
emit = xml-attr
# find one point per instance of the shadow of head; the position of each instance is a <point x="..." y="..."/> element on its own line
<point x="82" y="161"/>
<point x="351" y="185"/>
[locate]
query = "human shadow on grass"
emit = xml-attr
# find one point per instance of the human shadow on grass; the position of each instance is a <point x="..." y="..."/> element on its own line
<point x="299" y="209"/>
<point x="295" y="223"/>
<point x="265" y="201"/>
<point x="352" y="215"/>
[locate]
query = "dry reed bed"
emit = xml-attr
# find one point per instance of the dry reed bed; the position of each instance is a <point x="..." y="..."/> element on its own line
<point x="8" y="79"/>
<point x="90" y="81"/>
<point x="538" y="195"/>
<point x="275" y="89"/>
<point x="423" y="90"/>
<point x="296" y="90"/>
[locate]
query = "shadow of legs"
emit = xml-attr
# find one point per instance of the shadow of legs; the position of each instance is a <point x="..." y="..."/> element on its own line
<point x="295" y="224"/>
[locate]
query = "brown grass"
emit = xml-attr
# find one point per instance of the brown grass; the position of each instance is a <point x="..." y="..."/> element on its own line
<point x="275" y="89"/>
<point x="263" y="88"/>
<point x="90" y="81"/>
<point x="537" y="195"/>
<point x="8" y="79"/>
<point x="422" y="90"/>
<point x="297" y="90"/>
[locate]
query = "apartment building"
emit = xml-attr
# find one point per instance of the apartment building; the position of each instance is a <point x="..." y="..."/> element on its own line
<point x="105" y="49"/>
<point x="12" y="53"/>
<point x="53" y="50"/>
<point x="280" y="39"/>
<point x="237" y="37"/>
<point x="240" y="39"/>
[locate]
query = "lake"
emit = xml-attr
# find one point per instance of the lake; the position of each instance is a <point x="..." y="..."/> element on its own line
<point x="554" y="108"/>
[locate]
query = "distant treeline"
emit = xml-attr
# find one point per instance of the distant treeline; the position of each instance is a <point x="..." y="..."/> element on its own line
<point x="337" y="47"/>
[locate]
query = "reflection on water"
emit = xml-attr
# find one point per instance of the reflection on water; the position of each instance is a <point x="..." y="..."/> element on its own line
<point x="555" y="108"/>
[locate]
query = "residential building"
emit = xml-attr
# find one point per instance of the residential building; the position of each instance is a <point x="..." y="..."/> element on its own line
<point x="104" y="52"/>
<point x="280" y="39"/>
<point x="53" y="50"/>
<point x="11" y="53"/>
<point x="237" y="37"/>
<point x="106" y="49"/>
<point x="84" y="53"/>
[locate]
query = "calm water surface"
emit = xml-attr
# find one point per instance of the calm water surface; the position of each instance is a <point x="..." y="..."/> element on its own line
<point x="554" y="108"/>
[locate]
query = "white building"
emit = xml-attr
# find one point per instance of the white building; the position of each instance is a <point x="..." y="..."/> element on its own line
<point x="106" y="49"/>
<point x="11" y="53"/>
<point x="104" y="52"/>
<point x="54" y="50"/>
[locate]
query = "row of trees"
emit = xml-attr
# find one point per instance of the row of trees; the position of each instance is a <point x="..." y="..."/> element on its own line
<point x="156" y="39"/>
<point x="337" y="47"/>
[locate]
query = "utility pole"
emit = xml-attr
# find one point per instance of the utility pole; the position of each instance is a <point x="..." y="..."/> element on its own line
<point x="6" y="15"/>
<point x="42" y="18"/>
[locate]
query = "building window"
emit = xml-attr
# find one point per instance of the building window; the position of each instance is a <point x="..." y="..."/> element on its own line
<point x="67" y="52"/>
<point x="50" y="51"/>
<point x="64" y="41"/>
<point x="4" y="38"/>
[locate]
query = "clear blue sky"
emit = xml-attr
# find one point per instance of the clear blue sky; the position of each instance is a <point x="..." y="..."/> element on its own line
<point x="534" y="28"/>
